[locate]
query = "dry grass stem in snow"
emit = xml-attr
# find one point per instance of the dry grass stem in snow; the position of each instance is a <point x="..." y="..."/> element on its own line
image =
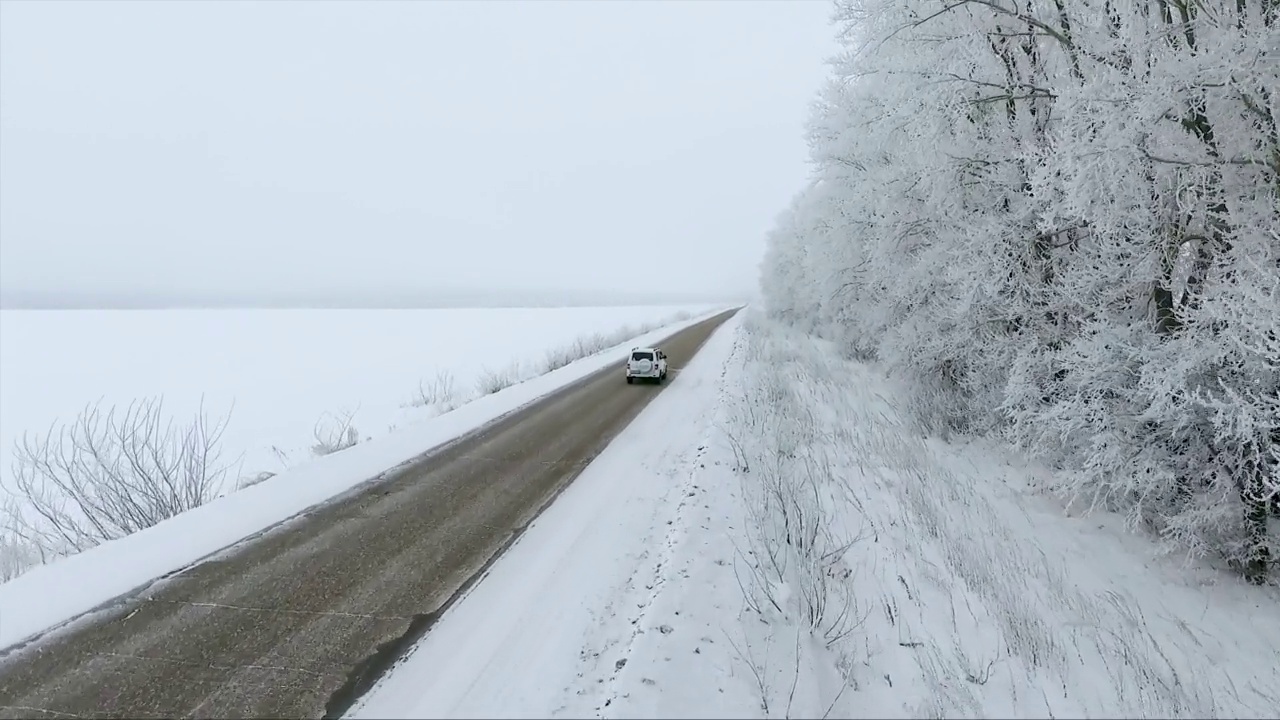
<point x="334" y="433"/>
<point x="929" y="581"/>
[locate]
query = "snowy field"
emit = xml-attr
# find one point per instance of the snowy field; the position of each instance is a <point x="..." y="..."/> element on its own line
<point x="278" y="373"/>
<point x="772" y="537"/>
<point x="36" y="601"/>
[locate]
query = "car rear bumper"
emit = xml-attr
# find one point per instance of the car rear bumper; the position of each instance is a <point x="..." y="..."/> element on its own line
<point x="650" y="374"/>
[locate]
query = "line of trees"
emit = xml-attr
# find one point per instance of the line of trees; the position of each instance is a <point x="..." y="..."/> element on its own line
<point x="1063" y="220"/>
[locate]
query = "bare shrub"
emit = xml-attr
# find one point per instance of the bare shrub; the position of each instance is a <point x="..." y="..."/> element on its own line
<point x="334" y="433"/>
<point x="558" y="357"/>
<point x="17" y="555"/>
<point x="440" y="391"/>
<point x="107" y="475"/>
<point x="491" y="381"/>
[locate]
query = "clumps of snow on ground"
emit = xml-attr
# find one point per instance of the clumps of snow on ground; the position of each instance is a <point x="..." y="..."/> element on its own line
<point x="892" y="574"/>
<point x="773" y="537"/>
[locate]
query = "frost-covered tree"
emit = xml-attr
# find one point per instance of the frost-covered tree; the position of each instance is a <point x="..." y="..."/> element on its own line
<point x="1063" y="221"/>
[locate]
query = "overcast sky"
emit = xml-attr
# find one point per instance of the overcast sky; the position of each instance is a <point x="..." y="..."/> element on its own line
<point x="279" y="147"/>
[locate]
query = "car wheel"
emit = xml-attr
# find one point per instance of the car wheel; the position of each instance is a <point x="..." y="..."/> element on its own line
<point x="630" y="380"/>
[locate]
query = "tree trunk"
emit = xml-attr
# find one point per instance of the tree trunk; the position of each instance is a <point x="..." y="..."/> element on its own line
<point x="1253" y="493"/>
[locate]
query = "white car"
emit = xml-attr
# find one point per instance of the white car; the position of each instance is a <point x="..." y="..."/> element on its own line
<point x="647" y="363"/>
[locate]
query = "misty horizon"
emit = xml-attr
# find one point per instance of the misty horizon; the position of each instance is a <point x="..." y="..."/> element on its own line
<point x="457" y="297"/>
<point x="391" y="153"/>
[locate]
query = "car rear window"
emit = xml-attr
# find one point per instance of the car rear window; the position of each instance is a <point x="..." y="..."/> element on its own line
<point x="641" y="355"/>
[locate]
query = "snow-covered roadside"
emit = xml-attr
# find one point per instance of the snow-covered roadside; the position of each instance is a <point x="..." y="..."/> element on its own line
<point x="52" y="594"/>
<point x="619" y="600"/>
<point x="961" y="591"/>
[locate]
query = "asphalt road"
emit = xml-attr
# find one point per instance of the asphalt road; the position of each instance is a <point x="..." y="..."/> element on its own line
<point x="300" y="621"/>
